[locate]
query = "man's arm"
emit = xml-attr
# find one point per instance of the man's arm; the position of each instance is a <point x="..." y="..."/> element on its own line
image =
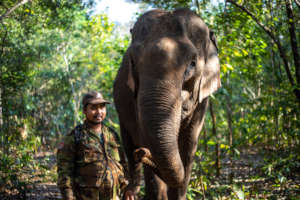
<point x="120" y="151"/>
<point x="121" y="158"/>
<point x="65" y="166"/>
<point x="123" y="161"/>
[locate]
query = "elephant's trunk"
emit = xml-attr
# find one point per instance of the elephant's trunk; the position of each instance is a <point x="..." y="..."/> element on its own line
<point x="159" y="111"/>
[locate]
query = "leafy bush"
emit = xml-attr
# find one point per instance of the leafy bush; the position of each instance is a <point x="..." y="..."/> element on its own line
<point x="17" y="168"/>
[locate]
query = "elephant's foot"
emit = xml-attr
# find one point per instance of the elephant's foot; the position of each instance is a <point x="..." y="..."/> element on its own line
<point x="144" y="155"/>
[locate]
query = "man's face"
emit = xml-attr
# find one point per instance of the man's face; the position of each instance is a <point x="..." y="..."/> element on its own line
<point x="95" y="113"/>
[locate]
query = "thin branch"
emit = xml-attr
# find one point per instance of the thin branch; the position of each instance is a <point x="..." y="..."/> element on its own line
<point x="266" y="29"/>
<point x="198" y="6"/>
<point x="298" y="3"/>
<point x="3" y="39"/>
<point x="8" y="12"/>
<point x="276" y="41"/>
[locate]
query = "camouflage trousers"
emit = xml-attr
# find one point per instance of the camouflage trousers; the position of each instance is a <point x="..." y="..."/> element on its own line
<point x="85" y="193"/>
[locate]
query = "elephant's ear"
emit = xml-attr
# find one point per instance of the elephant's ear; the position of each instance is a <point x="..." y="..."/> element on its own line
<point x="210" y="76"/>
<point x="132" y="80"/>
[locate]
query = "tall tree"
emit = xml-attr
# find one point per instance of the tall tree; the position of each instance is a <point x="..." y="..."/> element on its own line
<point x="21" y="23"/>
<point x="290" y="20"/>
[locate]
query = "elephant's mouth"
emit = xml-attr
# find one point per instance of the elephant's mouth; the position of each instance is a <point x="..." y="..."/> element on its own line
<point x="187" y="104"/>
<point x="185" y="95"/>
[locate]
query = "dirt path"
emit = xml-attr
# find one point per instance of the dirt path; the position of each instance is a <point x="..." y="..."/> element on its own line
<point x="45" y="189"/>
<point x="249" y="179"/>
<point x="245" y="170"/>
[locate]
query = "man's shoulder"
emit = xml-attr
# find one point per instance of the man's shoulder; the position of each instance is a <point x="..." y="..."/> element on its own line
<point x="75" y="132"/>
<point x="109" y="129"/>
<point x="72" y="138"/>
<point x="78" y="133"/>
<point x="112" y="133"/>
<point x="77" y="128"/>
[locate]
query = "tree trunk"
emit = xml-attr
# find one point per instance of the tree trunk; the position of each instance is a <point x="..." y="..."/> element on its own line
<point x="5" y="121"/>
<point x="75" y="102"/>
<point x="214" y="129"/>
<point x="205" y="139"/>
<point x="229" y="119"/>
<point x="275" y="107"/>
<point x="198" y="7"/>
<point x="1" y="121"/>
<point x="230" y="135"/>
<point x="293" y="40"/>
<point x="1" y="116"/>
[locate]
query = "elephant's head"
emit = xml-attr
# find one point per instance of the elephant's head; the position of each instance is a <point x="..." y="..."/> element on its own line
<point x="173" y="67"/>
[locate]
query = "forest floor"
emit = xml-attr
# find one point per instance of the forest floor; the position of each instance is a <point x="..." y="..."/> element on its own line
<point x="249" y="180"/>
<point x="253" y="175"/>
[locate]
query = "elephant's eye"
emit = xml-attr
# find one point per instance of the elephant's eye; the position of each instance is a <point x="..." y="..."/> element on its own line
<point x="193" y="63"/>
<point x="190" y="70"/>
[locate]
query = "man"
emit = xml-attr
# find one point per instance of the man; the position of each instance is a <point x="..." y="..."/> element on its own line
<point x="88" y="158"/>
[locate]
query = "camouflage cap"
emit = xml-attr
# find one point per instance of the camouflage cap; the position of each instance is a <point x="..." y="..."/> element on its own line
<point x="94" y="97"/>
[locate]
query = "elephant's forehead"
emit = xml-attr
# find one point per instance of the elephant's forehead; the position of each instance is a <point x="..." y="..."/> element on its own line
<point x="197" y="22"/>
<point x="167" y="44"/>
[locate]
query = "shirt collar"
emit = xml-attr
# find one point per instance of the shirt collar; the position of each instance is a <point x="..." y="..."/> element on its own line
<point x="86" y="127"/>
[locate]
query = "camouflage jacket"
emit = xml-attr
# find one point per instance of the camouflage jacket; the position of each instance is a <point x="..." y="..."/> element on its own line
<point x="90" y="160"/>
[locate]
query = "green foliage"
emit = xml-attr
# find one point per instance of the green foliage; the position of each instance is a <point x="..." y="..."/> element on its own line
<point x="166" y="4"/>
<point x="280" y="168"/>
<point x="15" y="165"/>
<point x="53" y="51"/>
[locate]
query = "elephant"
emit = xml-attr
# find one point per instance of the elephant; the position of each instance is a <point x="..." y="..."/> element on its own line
<point x="161" y="92"/>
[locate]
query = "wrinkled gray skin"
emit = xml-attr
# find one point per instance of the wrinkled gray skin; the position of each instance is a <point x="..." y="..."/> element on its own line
<point x="161" y="95"/>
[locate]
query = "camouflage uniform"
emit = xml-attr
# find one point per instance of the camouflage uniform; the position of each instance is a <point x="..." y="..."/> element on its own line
<point x="88" y="165"/>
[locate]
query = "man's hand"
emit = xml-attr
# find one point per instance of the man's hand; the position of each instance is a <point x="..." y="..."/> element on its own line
<point x="129" y="195"/>
<point x="67" y="194"/>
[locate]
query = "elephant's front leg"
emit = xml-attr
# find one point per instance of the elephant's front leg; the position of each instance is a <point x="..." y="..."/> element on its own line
<point x="155" y="188"/>
<point x="188" y="141"/>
